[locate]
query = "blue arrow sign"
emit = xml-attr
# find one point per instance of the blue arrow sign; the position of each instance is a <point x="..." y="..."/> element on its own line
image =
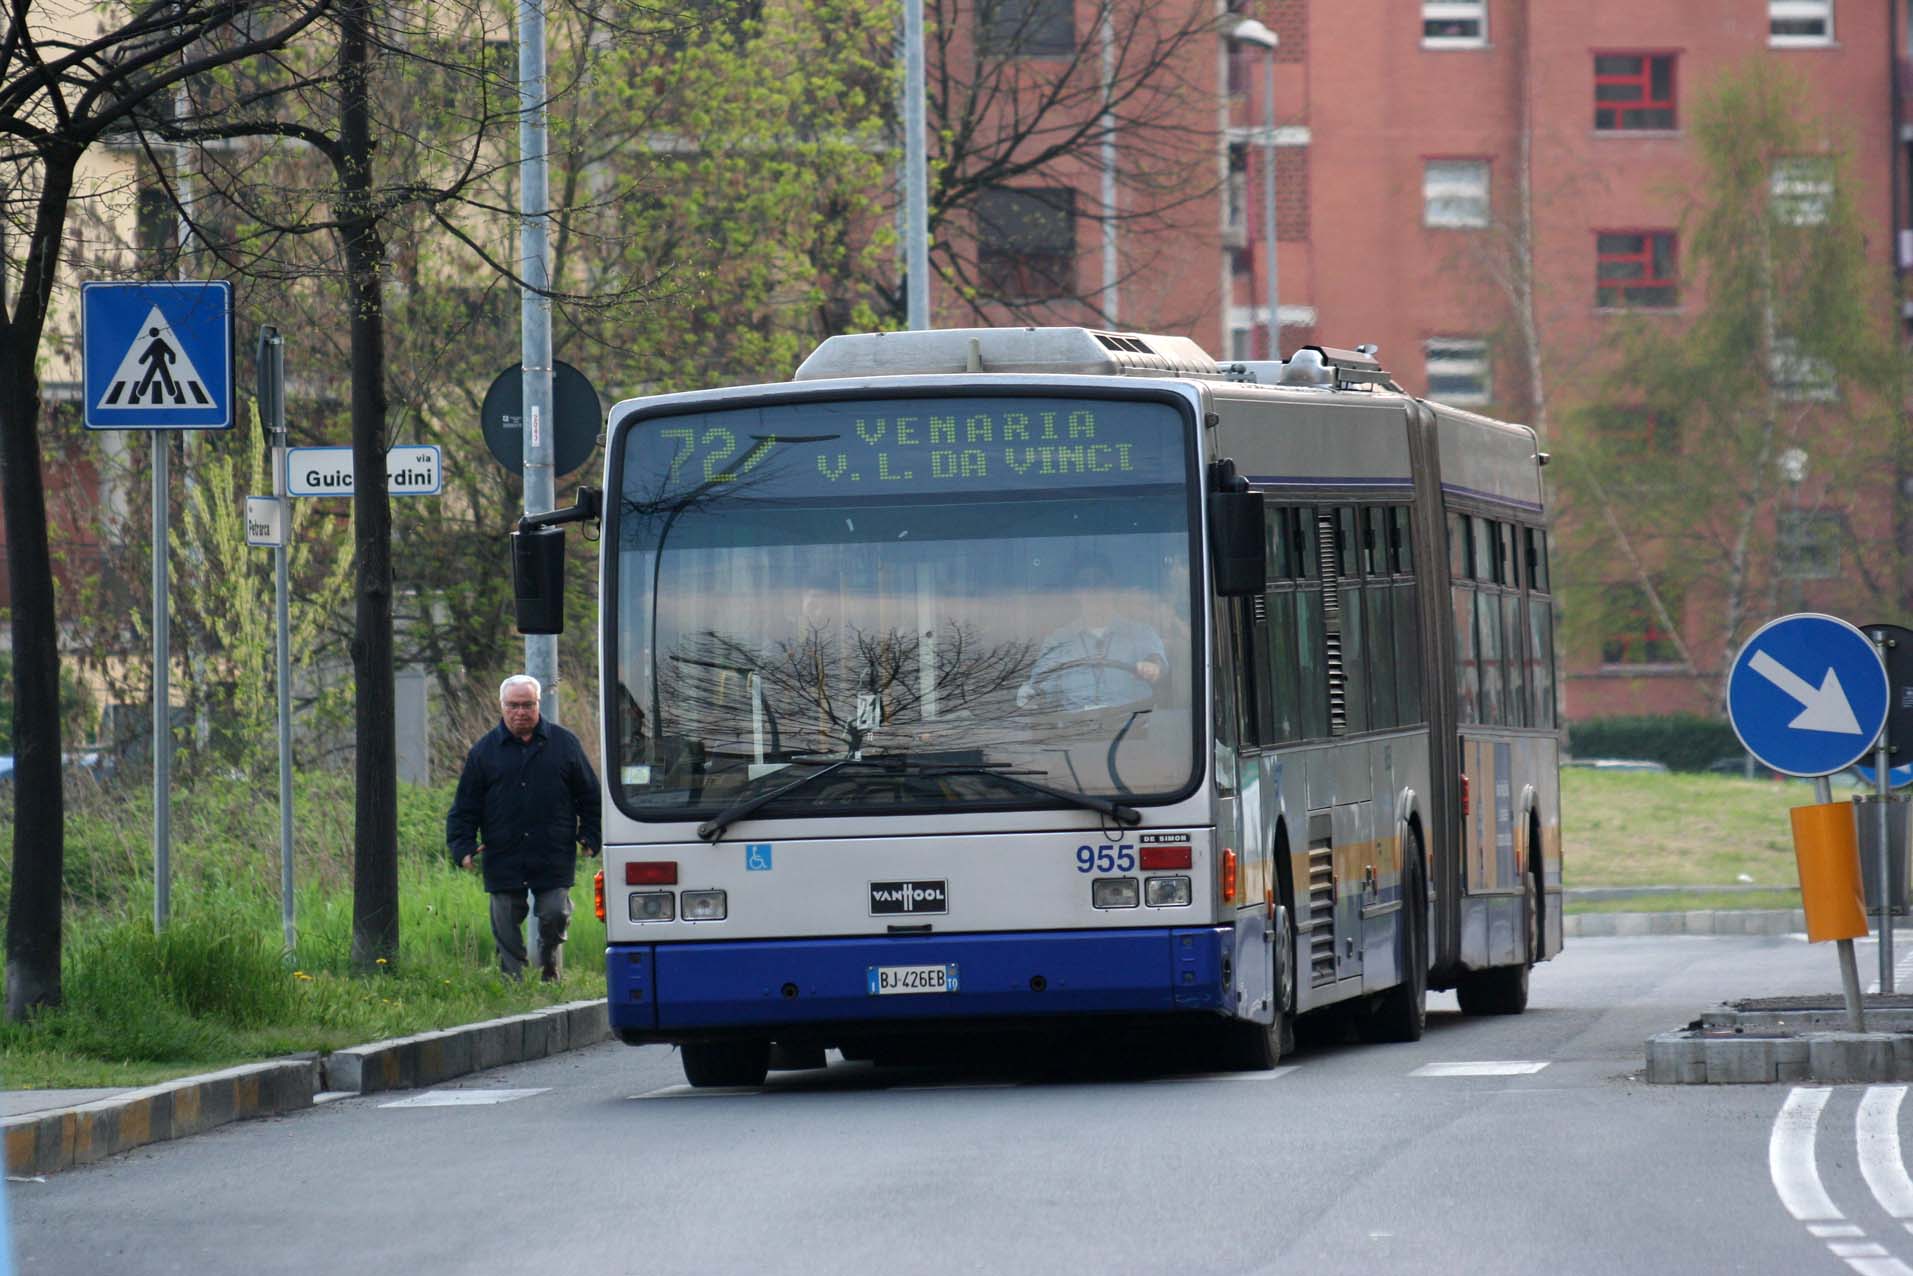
<point x="1897" y="777"/>
<point x="1807" y="695"/>
<point x="157" y="356"/>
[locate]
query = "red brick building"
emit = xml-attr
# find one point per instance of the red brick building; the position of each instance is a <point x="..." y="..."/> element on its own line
<point x="1482" y="188"/>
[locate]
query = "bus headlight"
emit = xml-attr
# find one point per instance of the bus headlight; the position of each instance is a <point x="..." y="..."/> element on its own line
<point x="652" y="906"/>
<point x="702" y="906"/>
<point x="1166" y="892"/>
<point x="1114" y="892"/>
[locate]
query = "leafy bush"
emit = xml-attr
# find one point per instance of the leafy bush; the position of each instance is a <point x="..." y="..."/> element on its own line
<point x="1685" y="742"/>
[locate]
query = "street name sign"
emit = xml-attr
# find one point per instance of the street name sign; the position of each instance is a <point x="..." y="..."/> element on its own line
<point x="1807" y="694"/>
<point x="265" y="521"/>
<point x="157" y="356"/>
<point x="412" y="470"/>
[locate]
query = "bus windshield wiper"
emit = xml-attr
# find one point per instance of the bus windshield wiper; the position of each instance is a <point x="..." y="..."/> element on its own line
<point x="711" y="829"/>
<point x="714" y="827"/>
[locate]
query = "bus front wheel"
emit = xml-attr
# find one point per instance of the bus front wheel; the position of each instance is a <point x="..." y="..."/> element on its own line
<point x="726" y="1063"/>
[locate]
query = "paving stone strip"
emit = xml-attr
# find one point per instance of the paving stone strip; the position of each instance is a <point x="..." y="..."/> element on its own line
<point x="53" y="1139"/>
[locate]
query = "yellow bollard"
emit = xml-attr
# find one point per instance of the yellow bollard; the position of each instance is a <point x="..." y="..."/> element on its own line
<point x="1827" y="849"/>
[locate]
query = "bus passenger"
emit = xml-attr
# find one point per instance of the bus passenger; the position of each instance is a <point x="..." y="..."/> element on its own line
<point x="1100" y="660"/>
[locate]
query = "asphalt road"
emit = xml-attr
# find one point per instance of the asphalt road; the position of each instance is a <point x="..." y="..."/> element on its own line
<point x="1515" y="1145"/>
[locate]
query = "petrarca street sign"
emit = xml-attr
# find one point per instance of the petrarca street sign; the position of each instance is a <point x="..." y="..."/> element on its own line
<point x="327" y="471"/>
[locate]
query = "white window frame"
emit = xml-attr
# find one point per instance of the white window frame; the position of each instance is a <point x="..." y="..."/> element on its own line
<point x="1801" y="189"/>
<point x="1475" y="11"/>
<point x="1783" y="10"/>
<point x="1460" y="357"/>
<point x="1801" y="378"/>
<point x="1452" y="188"/>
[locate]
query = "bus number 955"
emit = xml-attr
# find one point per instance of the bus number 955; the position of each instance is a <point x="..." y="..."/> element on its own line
<point x="1106" y="858"/>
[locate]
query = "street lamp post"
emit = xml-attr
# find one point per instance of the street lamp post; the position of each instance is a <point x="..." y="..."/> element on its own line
<point x="1249" y="31"/>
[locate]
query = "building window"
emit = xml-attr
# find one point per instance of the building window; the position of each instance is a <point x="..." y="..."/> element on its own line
<point x="1634" y="635"/>
<point x="1808" y="545"/>
<point x="1633" y="91"/>
<point x="1027" y="28"/>
<point x="1454" y="193"/>
<point x="1634" y="269"/>
<point x="1793" y="24"/>
<point x="1454" y="24"/>
<point x="156" y="228"/>
<point x="1801" y="376"/>
<point x="1235" y="209"/>
<point x="1801" y="189"/>
<point x="1026" y="242"/>
<point x="1459" y="370"/>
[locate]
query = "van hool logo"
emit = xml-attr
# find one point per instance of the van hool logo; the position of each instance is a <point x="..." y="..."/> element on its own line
<point x="909" y="897"/>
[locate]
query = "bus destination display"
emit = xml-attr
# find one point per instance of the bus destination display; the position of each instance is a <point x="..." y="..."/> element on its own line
<point x="873" y="446"/>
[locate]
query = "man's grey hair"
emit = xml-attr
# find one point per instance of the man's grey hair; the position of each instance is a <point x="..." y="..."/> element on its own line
<point x="519" y="680"/>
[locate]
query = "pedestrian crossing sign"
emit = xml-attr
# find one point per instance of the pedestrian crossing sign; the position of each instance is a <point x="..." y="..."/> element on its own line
<point x="157" y="356"/>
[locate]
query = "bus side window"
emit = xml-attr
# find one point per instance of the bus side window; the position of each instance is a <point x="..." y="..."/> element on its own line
<point x="1379" y="608"/>
<point x="1488" y="636"/>
<point x="1401" y="547"/>
<point x="1467" y="672"/>
<point x="1284" y="661"/>
<point x="1540" y="635"/>
<point x="1257" y="702"/>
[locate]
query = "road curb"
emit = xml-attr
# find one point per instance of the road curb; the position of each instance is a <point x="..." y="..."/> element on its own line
<point x="46" y="1142"/>
<point x="60" y="1138"/>
<point x="1833" y="1058"/>
<point x="1706" y="921"/>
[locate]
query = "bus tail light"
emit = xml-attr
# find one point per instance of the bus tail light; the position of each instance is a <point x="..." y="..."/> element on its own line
<point x="1464" y="797"/>
<point x="597" y="893"/>
<point x="1228" y="876"/>
<point x="651" y="873"/>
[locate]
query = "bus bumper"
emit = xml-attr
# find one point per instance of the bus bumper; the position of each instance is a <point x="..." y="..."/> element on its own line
<point x="664" y="992"/>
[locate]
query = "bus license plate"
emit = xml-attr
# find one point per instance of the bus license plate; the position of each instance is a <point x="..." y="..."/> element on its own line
<point x="886" y="981"/>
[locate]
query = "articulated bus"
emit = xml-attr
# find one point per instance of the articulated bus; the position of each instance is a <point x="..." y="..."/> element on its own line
<point x="997" y="678"/>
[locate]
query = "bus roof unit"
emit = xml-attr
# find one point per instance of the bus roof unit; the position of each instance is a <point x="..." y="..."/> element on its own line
<point x="953" y="351"/>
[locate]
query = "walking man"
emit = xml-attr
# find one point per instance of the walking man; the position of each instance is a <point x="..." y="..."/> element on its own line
<point x="526" y="801"/>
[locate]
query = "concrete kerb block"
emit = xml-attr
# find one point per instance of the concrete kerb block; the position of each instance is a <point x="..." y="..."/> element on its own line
<point x="1632" y="923"/>
<point x="590" y="1023"/>
<point x="1846" y="1058"/>
<point x="1674" y="1058"/>
<point x="1792" y="1060"/>
<point x="1739" y="1060"/>
<point x="1701" y="922"/>
<point x="1666" y="923"/>
<point x="1592" y="925"/>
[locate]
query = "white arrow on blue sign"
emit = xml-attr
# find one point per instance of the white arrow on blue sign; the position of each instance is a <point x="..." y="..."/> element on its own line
<point x="1807" y="694"/>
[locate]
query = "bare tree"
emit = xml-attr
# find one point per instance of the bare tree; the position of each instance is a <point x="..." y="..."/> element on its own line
<point x="60" y="93"/>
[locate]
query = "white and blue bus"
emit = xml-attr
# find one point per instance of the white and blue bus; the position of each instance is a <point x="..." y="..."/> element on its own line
<point x="995" y="678"/>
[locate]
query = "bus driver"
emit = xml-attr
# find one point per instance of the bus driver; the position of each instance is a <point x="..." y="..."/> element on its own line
<point x="1100" y="660"/>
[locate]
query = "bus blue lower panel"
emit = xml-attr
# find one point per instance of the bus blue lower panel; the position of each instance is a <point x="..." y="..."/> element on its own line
<point x="749" y="983"/>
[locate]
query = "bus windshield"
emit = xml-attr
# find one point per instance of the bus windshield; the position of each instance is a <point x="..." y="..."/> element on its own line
<point x="981" y="588"/>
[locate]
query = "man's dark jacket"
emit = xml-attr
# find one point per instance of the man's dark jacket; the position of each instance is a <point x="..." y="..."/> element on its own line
<point x="529" y="803"/>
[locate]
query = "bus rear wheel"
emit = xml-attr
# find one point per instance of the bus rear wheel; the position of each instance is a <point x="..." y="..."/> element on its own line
<point x="726" y="1063"/>
<point x="1504" y="990"/>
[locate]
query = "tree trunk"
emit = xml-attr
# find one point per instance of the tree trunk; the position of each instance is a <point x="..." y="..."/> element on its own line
<point x="375" y="887"/>
<point x="39" y="806"/>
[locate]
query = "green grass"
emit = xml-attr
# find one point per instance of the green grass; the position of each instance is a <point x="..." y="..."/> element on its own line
<point x="1646" y="829"/>
<point x="216" y="988"/>
<point x="1687" y="901"/>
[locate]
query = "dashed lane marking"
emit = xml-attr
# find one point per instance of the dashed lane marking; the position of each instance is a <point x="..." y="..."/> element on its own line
<point x="462" y="1098"/>
<point x="1796" y="1176"/>
<point x="1877" y="1129"/>
<point x="1790" y="1162"/>
<point x="1480" y="1068"/>
<point x="1271" y="1075"/>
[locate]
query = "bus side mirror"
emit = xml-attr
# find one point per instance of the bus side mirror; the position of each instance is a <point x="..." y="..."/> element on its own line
<point x="538" y="579"/>
<point x="1237" y="550"/>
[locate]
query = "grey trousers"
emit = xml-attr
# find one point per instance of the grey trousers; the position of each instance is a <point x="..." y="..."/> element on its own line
<point x="554" y="923"/>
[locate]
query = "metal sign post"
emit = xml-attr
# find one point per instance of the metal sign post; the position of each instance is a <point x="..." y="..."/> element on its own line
<point x="1895" y="646"/>
<point x="1808" y="696"/>
<point x="272" y="413"/>
<point x="158" y="356"/>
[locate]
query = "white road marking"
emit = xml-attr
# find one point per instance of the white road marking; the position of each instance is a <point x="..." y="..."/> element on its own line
<point x="1790" y="1157"/>
<point x="1205" y="1077"/>
<point x="1877" y="1127"/>
<point x="1481" y="1068"/>
<point x="462" y="1098"/>
<point x="1902" y="965"/>
<point x="1857" y="1249"/>
<point x="1825" y="1230"/>
<point x="1888" y="1266"/>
